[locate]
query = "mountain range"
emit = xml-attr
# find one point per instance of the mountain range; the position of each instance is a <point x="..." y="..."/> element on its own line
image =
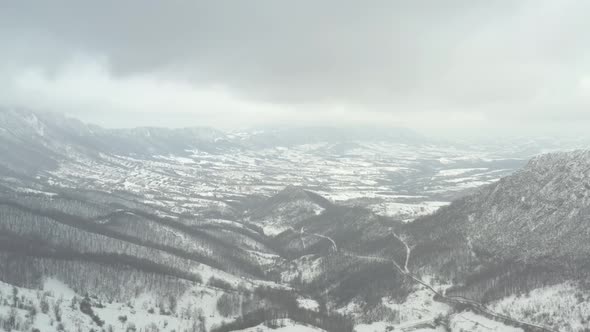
<point x="308" y="229"/>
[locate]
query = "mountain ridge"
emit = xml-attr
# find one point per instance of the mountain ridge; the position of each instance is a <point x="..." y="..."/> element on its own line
<point x="527" y="230"/>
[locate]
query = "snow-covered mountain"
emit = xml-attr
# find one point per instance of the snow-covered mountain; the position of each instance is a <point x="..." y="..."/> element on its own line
<point x="541" y="211"/>
<point x="529" y="230"/>
<point x="196" y="229"/>
<point x="538" y="213"/>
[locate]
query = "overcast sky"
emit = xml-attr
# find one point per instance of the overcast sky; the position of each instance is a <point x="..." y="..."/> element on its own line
<point x="428" y="65"/>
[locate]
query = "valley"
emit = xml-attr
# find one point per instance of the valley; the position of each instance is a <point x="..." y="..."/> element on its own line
<point x="237" y="232"/>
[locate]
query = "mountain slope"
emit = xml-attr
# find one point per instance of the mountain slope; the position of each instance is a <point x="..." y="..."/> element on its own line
<point x="527" y="230"/>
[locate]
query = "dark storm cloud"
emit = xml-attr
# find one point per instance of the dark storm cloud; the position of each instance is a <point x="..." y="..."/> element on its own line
<point x="492" y="58"/>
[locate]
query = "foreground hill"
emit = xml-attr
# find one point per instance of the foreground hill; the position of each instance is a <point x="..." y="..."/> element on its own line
<point x="283" y="210"/>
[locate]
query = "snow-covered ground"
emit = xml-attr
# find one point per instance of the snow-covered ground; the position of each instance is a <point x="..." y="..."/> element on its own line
<point x="284" y="325"/>
<point x="406" y="211"/>
<point x="418" y="306"/>
<point x="283" y="216"/>
<point x="58" y="307"/>
<point x="565" y="305"/>
<point x="307" y="268"/>
<point x="309" y="304"/>
<point x="420" y="312"/>
<point x="386" y="327"/>
<point x="469" y="321"/>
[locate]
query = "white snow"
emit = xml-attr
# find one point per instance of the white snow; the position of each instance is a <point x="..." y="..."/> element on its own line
<point x="58" y="288"/>
<point x="38" y="192"/>
<point x="309" y="304"/>
<point x="406" y="211"/>
<point x="565" y="305"/>
<point x="37" y="126"/>
<point x="469" y="321"/>
<point x="418" y="306"/>
<point x="286" y="325"/>
<point x="273" y="230"/>
<point x="458" y="171"/>
<point x="307" y="267"/>
<point x="141" y="312"/>
<point x="373" y="327"/>
<point x="284" y="215"/>
<point x="183" y="181"/>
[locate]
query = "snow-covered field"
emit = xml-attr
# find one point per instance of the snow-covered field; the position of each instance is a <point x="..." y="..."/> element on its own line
<point x="392" y="179"/>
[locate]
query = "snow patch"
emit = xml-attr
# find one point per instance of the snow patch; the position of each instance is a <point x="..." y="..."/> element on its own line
<point x="285" y="325"/>
<point x="469" y="321"/>
<point x="309" y="304"/>
<point x="565" y="306"/>
<point x="58" y="288"/>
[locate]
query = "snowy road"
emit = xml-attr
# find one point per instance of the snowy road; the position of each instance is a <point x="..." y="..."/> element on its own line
<point x="302" y="232"/>
<point x="444" y="298"/>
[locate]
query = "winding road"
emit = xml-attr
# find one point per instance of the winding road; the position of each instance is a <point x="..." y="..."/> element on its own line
<point x="460" y="299"/>
<point x="303" y="232"/>
<point x="477" y="306"/>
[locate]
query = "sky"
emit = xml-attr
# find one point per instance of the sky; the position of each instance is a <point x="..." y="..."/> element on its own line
<point x="442" y="66"/>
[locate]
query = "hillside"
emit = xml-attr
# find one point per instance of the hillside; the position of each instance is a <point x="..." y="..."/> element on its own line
<point x="285" y="209"/>
<point x="527" y="230"/>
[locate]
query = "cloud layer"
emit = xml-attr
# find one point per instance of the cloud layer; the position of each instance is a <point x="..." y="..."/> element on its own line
<point x="425" y="64"/>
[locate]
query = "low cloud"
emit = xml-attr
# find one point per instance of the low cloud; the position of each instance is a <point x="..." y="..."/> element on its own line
<point x="422" y="64"/>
